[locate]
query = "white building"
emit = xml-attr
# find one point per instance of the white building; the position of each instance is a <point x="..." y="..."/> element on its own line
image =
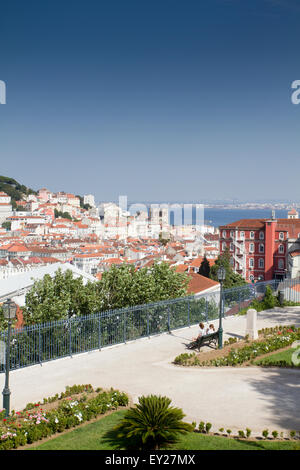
<point x="89" y="199"/>
<point x="5" y="207"/>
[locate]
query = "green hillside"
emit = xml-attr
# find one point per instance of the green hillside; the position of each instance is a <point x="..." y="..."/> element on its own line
<point x="14" y="189"/>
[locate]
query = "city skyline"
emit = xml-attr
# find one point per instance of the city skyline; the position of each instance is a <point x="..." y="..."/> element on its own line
<point x="160" y="101"/>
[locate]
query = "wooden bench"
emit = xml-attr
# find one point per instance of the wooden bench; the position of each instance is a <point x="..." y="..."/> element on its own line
<point x="205" y="340"/>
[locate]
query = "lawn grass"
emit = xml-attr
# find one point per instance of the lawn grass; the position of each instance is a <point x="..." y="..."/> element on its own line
<point x="90" y="437"/>
<point x="285" y="356"/>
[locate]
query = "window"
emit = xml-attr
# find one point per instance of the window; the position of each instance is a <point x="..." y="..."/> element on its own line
<point x="224" y="246"/>
<point x="261" y="263"/>
<point x="251" y="234"/>
<point x="231" y="261"/>
<point x="251" y="277"/>
<point x="224" y="233"/>
<point x="251" y="262"/>
<point x="261" y="235"/>
<point x="261" y="248"/>
<point x="251" y="247"/>
<point x="281" y="236"/>
<point x="281" y="249"/>
<point x="242" y="234"/>
<point x="231" y="233"/>
<point x="231" y="247"/>
<point x="280" y="264"/>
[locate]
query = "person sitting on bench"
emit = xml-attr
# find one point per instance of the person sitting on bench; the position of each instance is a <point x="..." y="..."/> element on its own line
<point x="210" y="329"/>
<point x="202" y="331"/>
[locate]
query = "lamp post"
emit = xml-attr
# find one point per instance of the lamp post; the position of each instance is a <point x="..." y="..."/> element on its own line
<point x="221" y="278"/>
<point x="9" y="312"/>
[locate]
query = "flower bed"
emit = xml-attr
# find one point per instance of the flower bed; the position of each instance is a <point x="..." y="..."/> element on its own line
<point x="271" y="339"/>
<point x="78" y="404"/>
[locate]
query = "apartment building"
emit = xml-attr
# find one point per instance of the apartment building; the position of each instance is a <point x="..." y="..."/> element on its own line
<point x="260" y="249"/>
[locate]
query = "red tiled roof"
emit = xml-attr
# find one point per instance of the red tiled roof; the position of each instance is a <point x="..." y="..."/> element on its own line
<point x="198" y="283"/>
<point x="181" y="268"/>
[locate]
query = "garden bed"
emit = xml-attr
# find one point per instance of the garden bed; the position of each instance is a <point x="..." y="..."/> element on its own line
<point x="55" y="415"/>
<point x="241" y="353"/>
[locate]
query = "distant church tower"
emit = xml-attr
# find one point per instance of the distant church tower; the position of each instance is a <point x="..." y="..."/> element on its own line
<point x="293" y="214"/>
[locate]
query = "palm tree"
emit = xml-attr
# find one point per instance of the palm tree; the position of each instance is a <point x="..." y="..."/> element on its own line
<point x="151" y="424"/>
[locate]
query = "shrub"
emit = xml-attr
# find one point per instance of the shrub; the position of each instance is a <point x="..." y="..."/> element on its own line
<point x="293" y="434"/>
<point x="183" y="358"/>
<point x="201" y="426"/>
<point x="229" y="432"/>
<point x="265" y="433"/>
<point x="248" y="432"/>
<point x="241" y="434"/>
<point x="275" y="434"/>
<point x="208" y="427"/>
<point x="269" y="300"/>
<point x="151" y="424"/>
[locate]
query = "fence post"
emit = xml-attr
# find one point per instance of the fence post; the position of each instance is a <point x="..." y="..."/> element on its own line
<point x="99" y="333"/>
<point x="70" y="339"/>
<point x="169" y="319"/>
<point x="40" y="340"/>
<point x="189" y="323"/>
<point x="148" y="328"/>
<point x="124" y="327"/>
<point x="206" y="309"/>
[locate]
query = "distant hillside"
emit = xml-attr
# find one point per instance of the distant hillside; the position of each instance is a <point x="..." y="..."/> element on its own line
<point x="14" y="189"/>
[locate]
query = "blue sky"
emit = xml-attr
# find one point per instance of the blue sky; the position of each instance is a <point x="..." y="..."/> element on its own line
<point x="157" y="100"/>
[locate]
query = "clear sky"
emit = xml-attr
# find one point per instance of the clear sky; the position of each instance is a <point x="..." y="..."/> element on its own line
<point x="159" y="100"/>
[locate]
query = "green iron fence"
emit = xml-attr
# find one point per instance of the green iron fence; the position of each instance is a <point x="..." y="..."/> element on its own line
<point x="49" y="341"/>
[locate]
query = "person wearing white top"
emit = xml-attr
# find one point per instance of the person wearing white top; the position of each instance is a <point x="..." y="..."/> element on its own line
<point x="202" y="331"/>
<point x="210" y="329"/>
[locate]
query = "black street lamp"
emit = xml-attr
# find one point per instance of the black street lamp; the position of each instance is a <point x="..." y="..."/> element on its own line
<point x="9" y="312"/>
<point x="221" y="279"/>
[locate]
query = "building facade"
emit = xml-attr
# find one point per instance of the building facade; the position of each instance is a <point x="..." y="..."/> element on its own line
<point x="260" y="249"/>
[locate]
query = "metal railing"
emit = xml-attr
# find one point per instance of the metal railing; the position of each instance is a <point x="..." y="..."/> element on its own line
<point x="49" y="341"/>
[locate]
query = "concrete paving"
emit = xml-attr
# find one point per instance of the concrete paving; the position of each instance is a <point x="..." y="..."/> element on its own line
<point x="233" y="398"/>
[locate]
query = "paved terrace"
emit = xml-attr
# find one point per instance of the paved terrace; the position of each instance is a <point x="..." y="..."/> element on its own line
<point x="233" y="398"/>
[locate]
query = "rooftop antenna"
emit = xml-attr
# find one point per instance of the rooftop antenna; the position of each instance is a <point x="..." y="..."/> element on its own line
<point x="273" y="215"/>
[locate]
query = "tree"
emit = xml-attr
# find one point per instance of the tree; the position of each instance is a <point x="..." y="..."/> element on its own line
<point x="153" y="423"/>
<point x="64" y="215"/>
<point x="6" y="225"/>
<point x="232" y="279"/>
<point x="63" y="296"/>
<point x="58" y="298"/>
<point x="124" y="287"/>
<point x="204" y="269"/>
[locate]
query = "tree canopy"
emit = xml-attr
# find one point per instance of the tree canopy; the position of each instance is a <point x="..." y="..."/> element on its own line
<point x="204" y="268"/>
<point x="232" y="279"/>
<point x="63" y="296"/>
